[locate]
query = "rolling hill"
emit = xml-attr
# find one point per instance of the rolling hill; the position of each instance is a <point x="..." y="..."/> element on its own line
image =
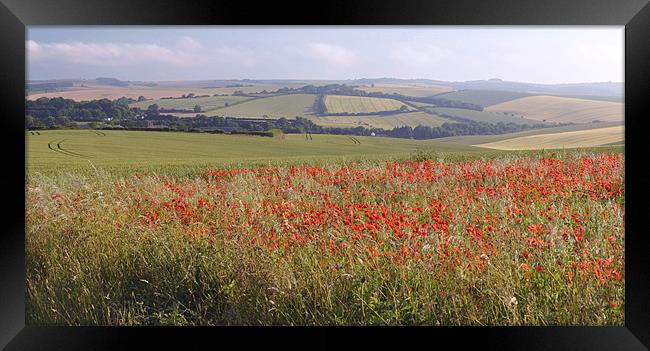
<point x="572" y="139"/>
<point x="480" y="116"/>
<point x="483" y="139"/>
<point x="91" y="90"/>
<point x="206" y="103"/>
<point x="287" y="106"/>
<point x="483" y="97"/>
<point x="562" y="109"/>
<point x="406" y="89"/>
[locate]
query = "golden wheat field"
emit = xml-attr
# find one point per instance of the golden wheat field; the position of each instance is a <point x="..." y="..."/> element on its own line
<point x="359" y="104"/>
<point x="581" y="138"/>
<point x="562" y="109"/>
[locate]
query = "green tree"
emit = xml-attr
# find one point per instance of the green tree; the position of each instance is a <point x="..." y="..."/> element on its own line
<point x="153" y="111"/>
<point x="29" y="122"/>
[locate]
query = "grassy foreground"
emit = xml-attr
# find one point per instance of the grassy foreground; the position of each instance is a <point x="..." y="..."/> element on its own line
<point x="510" y="240"/>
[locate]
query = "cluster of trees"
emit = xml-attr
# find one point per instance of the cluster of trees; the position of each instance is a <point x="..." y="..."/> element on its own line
<point x="59" y="112"/>
<point x="303" y="125"/>
<point x="454" y="129"/>
<point x="48" y="86"/>
<point x="342" y="89"/>
<point x="155" y="109"/>
<point x="319" y="105"/>
<point x="187" y="96"/>
<point x="111" y="81"/>
<point x="238" y="85"/>
<point x="219" y="124"/>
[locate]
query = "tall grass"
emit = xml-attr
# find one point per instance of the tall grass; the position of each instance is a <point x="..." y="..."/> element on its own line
<point x="94" y="256"/>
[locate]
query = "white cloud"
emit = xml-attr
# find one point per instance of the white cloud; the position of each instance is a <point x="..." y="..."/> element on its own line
<point x="186" y="53"/>
<point x="418" y="56"/>
<point x="188" y="43"/>
<point x="332" y="54"/>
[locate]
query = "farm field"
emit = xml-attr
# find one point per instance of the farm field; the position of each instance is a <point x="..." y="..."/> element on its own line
<point x="287" y="106"/>
<point x="481" y="116"/>
<point x="562" y="109"/>
<point x="412" y="119"/>
<point x="583" y="97"/>
<point x="93" y="92"/>
<point x="206" y="103"/>
<point x="512" y="240"/>
<point x="572" y="139"/>
<point x="482" y="97"/>
<point x="85" y="149"/>
<point x="407" y="90"/>
<point x="360" y="104"/>
<point x="482" y="139"/>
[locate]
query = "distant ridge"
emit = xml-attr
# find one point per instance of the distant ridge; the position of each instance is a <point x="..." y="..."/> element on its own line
<point x="597" y="89"/>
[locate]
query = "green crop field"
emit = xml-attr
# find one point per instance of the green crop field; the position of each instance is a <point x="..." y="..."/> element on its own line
<point x="287" y="106"/>
<point x="206" y="103"/>
<point x="481" y="116"/>
<point x="412" y="119"/>
<point x="132" y="150"/>
<point x="360" y="104"/>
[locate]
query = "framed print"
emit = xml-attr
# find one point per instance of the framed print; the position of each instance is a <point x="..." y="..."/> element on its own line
<point x="384" y="172"/>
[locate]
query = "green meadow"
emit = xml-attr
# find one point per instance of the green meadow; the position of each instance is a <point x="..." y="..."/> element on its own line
<point x="68" y="150"/>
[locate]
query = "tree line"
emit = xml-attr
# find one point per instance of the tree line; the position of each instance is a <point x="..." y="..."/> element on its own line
<point x="47" y="113"/>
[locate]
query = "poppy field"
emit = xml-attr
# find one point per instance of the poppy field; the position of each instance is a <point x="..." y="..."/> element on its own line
<point x="517" y="239"/>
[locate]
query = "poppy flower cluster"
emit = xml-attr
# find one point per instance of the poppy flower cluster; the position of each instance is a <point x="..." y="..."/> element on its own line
<point x="544" y="215"/>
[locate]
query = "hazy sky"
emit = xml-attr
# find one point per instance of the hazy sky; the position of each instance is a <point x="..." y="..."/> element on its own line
<point x="566" y="54"/>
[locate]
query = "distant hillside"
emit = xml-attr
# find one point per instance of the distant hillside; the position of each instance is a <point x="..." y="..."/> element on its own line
<point x="483" y="98"/>
<point x="480" y="116"/>
<point x="287" y="106"/>
<point x="593" y="89"/>
<point x="562" y="109"/>
<point x="479" y="92"/>
<point x="112" y="81"/>
<point x="48" y="86"/>
<point x="596" y="89"/>
<point x="583" y="138"/>
<point x="398" y="81"/>
<point x="417" y="90"/>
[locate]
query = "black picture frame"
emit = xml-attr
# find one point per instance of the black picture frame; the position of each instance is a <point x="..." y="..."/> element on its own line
<point x="15" y="15"/>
